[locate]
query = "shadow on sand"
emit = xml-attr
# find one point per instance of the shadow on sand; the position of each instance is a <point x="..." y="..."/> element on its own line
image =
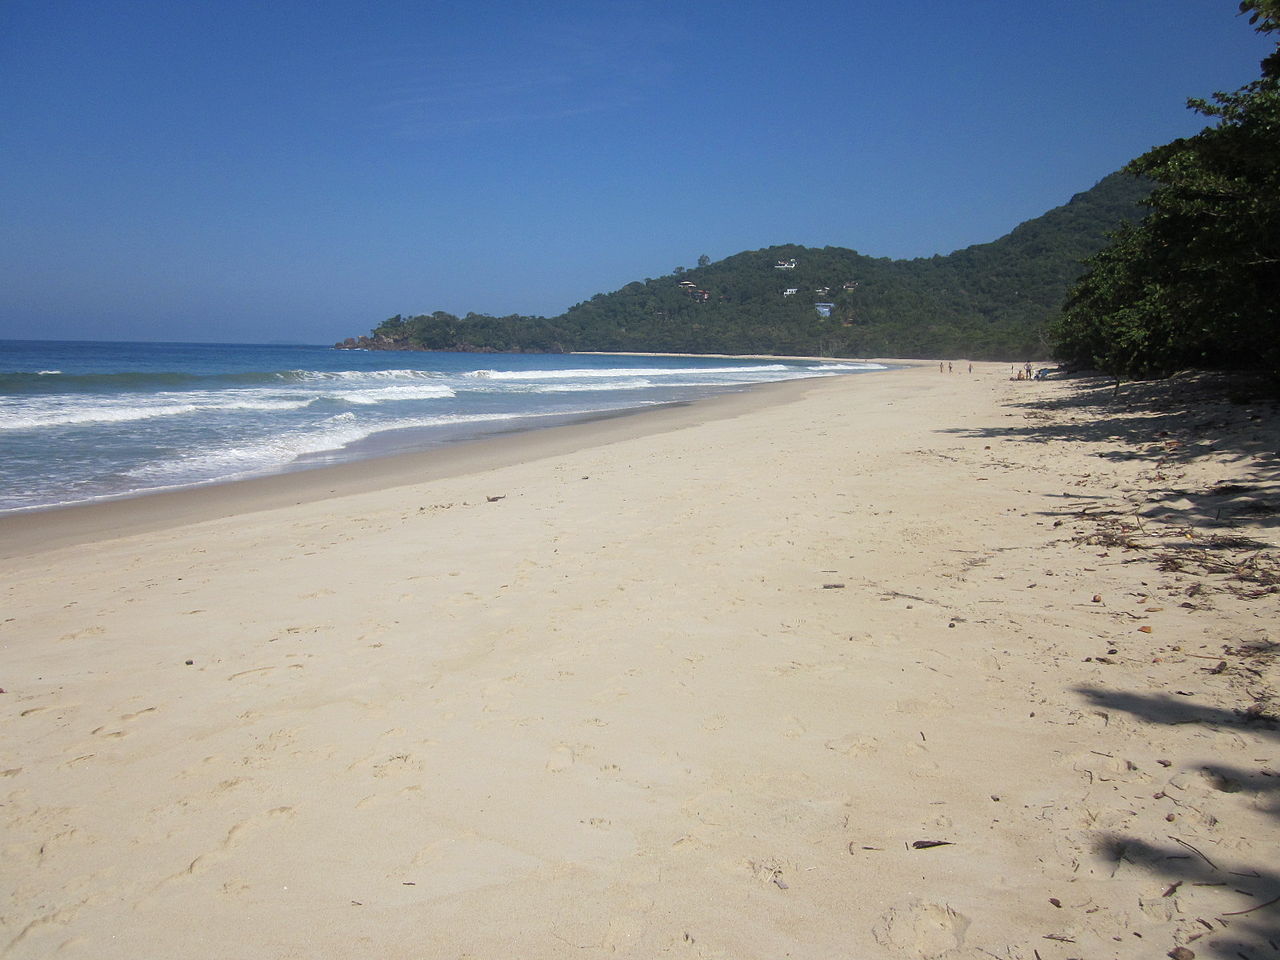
<point x="1250" y="931"/>
<point x="1172" y="711"/>
<point x="1166" y="423"/>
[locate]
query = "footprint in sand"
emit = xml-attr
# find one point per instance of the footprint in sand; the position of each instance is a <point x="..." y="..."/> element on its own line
<point x="198" y="769"/>
<point x="852" y="745"/>
<point x="922" y="768"/>
<point x="234" y="836"/>
<point x="86" y="632"/>
<point x="246" y="673"/>
<point x="1107" y="769"/>
<point x="397" y="764"/>
<point x="54" y="917"/>
<point x="922" y="707"/>
<point x="561" y="760"/>
<point x="793" y="727"/>
<point x="921" y="929"/>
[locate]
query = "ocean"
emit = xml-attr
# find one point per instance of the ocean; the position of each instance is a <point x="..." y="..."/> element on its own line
<point x="82" y="421"/>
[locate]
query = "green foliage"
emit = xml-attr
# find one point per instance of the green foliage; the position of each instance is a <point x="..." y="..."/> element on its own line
<point x="1197" y="282"/>
<point x="477" y="333"/>
<point x="990" y="301"/>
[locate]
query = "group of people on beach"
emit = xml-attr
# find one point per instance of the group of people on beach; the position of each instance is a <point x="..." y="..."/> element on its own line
<point x="1025" y="372"/>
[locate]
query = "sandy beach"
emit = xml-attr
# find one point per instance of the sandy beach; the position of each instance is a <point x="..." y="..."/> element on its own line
<point x="898" y="665"/>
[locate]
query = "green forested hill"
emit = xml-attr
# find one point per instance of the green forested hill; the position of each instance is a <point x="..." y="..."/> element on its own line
<point x="990" y="301"/>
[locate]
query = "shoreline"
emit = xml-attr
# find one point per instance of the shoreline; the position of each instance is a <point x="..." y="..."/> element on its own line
<point x="921" y="666"/>
<point x="45" y="528"/>
<point x="751" y="356"/>
<point x="387" y="451"/>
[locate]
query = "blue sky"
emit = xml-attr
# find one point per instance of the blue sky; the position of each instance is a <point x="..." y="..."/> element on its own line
<point x="253" y="171"/>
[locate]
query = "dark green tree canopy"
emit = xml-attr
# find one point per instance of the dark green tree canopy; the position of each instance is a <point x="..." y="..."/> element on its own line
<point x="1197" y="282"/>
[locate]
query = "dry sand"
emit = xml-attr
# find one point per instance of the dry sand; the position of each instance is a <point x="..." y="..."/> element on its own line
<point x="691" y="684"/>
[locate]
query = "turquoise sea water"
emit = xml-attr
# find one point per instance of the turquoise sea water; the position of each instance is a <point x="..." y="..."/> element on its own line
<point x="84" y="421"/>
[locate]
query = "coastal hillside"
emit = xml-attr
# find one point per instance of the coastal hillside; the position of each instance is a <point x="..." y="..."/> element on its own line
<point x="989" y="301"/>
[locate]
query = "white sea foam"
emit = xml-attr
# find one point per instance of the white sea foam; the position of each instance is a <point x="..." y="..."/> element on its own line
<point x="62" y="413"/>
<point x="323" y="376"/>
<point x="641" y="384"/>
<point x="70" y="416"/>
<point x="620" y="372"/>
<point x="374" y="395"/>
<point x="334" y="433"/>
<point x="846" y="367"/>
<point x="235" y="461"/>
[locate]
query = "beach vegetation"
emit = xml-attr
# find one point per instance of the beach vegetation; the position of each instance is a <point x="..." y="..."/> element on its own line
<point x="1196" y="282"/>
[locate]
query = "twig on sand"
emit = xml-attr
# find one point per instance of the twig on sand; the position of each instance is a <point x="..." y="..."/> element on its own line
<point x="1195" y="851"/>
<point x="898" y="595"/>
<point x="1256" y="906"/>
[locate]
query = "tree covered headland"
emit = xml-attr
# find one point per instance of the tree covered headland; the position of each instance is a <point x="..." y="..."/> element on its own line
<point x="992" y="300"/>
<point x="989" y="301"/>
<point x="1196" y="283"/>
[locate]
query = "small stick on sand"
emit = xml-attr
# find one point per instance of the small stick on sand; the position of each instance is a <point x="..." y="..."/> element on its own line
<point x="1195" y="851"/>
<point x="1259" y="906"/>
